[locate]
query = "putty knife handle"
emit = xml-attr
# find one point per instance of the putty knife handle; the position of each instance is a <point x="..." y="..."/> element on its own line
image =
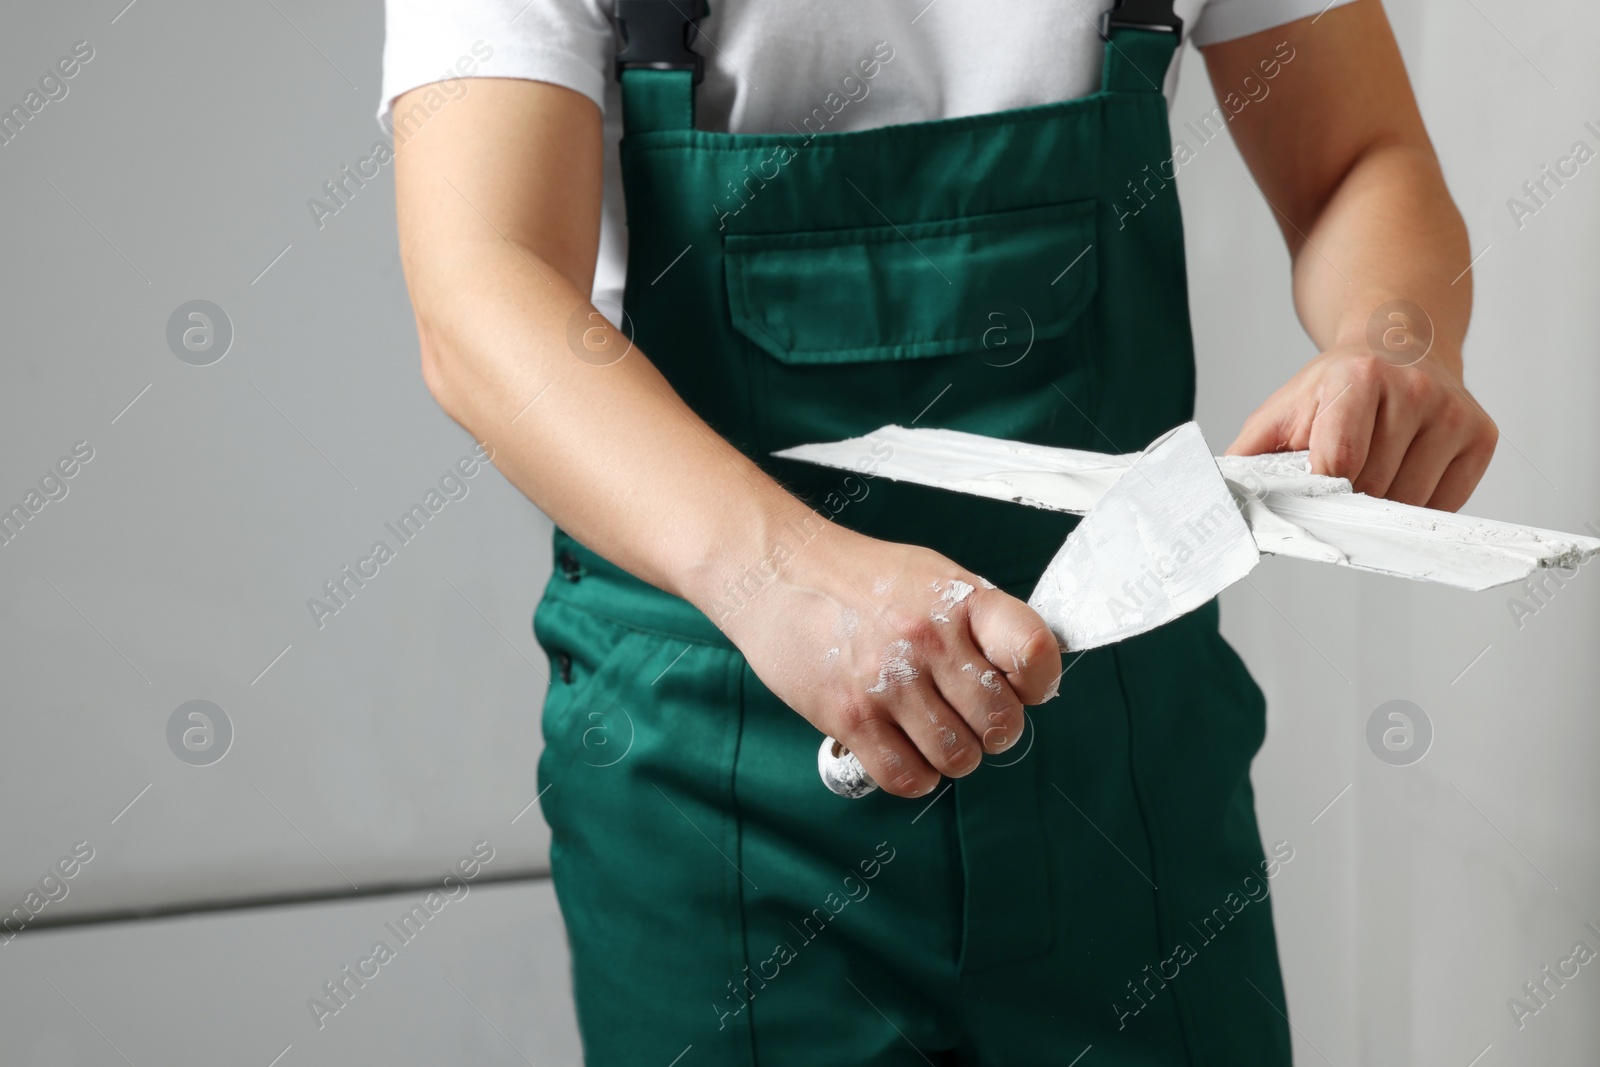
<point x="842" y="772"/>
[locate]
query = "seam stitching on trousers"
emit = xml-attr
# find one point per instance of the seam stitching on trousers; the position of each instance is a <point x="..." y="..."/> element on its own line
<point x="736" y="683"/>
<point x="1180" y="1001"/>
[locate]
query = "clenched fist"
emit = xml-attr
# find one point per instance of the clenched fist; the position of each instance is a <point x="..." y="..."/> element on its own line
<point x="916" y="665"/>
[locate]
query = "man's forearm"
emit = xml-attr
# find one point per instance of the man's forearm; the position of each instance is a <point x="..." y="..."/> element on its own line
<point x="1380" y="257"/>
<point x="1389" y="232"/>
<point x="609" y="452"/>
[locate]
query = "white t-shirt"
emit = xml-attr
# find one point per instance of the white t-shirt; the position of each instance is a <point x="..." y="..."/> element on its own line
<point x="769" y="63"/>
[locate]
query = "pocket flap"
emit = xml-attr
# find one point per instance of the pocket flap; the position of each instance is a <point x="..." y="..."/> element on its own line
<point x="908" y="292"/>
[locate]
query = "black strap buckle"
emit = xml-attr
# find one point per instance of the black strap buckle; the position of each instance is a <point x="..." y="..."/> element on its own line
<point x="656" y="34"/>
<point x="1154" y="15"/>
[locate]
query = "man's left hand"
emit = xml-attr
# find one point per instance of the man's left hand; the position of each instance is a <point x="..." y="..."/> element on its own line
<point x="1411" y="433"/>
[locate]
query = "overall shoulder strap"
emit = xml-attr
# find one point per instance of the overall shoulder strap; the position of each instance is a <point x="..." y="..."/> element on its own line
<point x="657" y="68"/>
<point x="1141" y="37"/>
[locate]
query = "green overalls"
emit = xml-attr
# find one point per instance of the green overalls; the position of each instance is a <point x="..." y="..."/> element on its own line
<point x="1101" y="886"/>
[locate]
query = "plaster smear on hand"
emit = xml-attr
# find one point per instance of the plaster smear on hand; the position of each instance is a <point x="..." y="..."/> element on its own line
<point x="896" y="670"/>
<point x="881" y="586"/>
<point x="831" y="655"/>
<point x="954" y="593"/>
<point x="987" y="679"/>
<point x="847" y="623"/>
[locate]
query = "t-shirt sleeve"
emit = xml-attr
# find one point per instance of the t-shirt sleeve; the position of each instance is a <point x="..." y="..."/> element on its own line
<point x="1225" y="20"/>
<point x="565" y="42"/>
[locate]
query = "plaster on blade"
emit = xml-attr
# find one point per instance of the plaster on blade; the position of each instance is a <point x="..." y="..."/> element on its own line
<point x="1162" y="541"/>
<point x="1289" y="510"/>
<point x="1055" y="479"/>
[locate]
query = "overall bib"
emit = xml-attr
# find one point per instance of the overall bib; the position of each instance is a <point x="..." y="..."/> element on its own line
<point x="1101" y="886"/>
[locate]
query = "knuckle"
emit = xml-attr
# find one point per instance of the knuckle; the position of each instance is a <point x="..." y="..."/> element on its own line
<point x="855" y="716"/>
<point x="1005" y="716"/>
<point x="958" y="761"/>
<point x="1406" y="495"/>
<point x="997" y="738"/>
<point x="1366" y="371"/>
<point x="1454" y="417"/>
<point x="1488" y="436"/>
<point x="1003" y="728"/>
<point x="920" y="629"/>
<point x="1417" y="388"/>
<point x="1371" y="483"/>
<point x="1344" y="458"/>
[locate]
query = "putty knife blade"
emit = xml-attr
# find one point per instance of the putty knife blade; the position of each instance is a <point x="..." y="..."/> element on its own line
<point x="1163" y="540"/>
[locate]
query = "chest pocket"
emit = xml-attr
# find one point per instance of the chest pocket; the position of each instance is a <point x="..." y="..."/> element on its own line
<point x="981" y="323"/>
<point x="971" y="285"/>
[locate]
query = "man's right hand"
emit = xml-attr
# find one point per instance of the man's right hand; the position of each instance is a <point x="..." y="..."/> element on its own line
<point x="915" y="664"/>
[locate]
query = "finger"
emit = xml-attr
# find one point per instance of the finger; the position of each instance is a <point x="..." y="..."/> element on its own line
<point x="1427" y="458"/>
<point x="1461" y="478"/>
<point x="940" y="734"/>
<point x="1341" y="430"/>
<point x="885" y="751"/>
<point x="980" y="693"/>
<point x="1392" y="433"/>
<point x="1016" y="640"/>
<point x="966" y="679"/>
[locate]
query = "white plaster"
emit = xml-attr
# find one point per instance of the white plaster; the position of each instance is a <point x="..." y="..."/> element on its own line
<point x="896" y="669"/>
<point x="842" y="772"/>
<point x="1165" y="539"/>
<point x="955" y="591"/>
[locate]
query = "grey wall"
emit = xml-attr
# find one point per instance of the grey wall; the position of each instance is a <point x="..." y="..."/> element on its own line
<point x="388" y="738"/>
<point x="372" y="751"/>
<point x="378" y="749"/>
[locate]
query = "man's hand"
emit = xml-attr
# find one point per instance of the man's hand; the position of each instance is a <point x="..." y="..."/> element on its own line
<point x="1411" y="433"/>
<point x="918" y="666"/>
<point x="1324" y="116"/>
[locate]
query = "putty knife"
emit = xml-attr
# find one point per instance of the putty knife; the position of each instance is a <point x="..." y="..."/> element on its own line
<point x="1165" y="538"/>
<point x="1289" y="510"/>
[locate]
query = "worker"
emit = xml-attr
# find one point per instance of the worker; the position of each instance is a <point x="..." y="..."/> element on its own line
<point x="649" y="244"/>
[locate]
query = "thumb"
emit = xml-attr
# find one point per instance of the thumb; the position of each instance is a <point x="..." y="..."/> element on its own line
<point x="1017" y="642"/>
